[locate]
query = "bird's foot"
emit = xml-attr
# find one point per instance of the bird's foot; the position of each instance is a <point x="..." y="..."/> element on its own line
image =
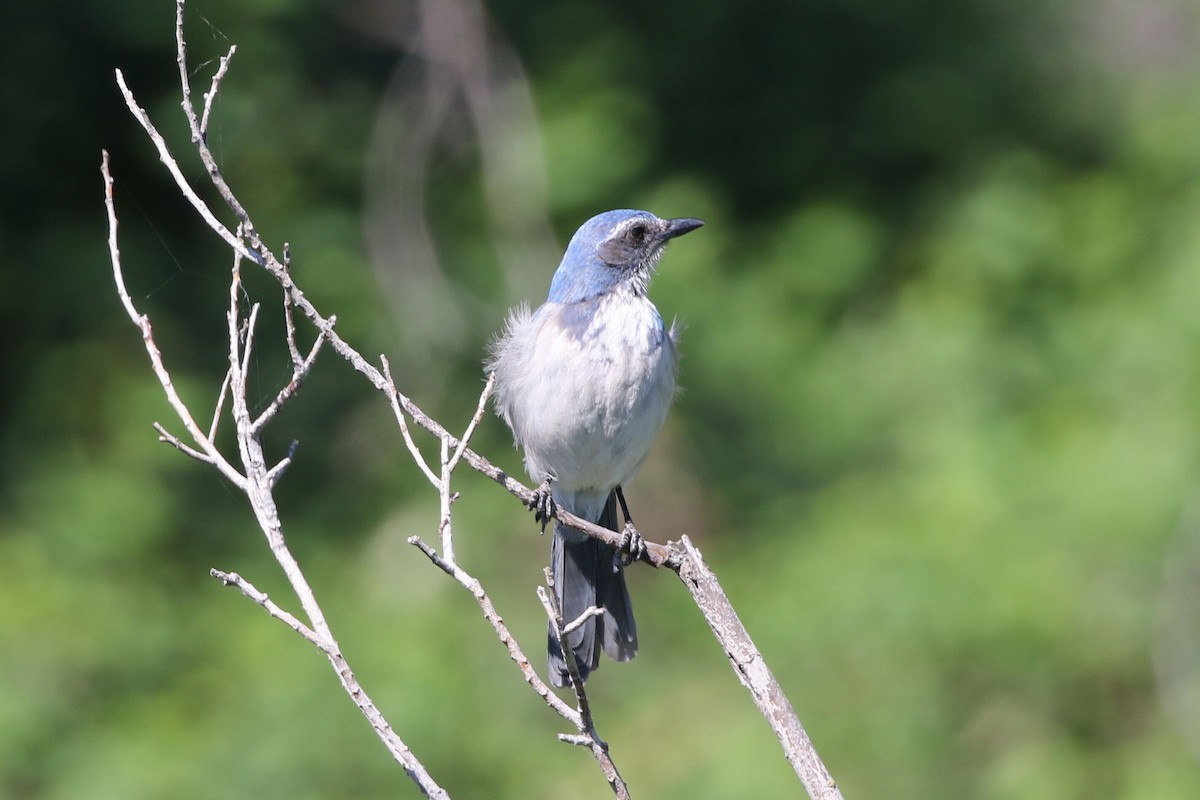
<point x="542" y="504"/>
<point x="632" y="547"/>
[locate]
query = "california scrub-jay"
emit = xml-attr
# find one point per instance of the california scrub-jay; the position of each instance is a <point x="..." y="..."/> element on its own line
<point x="585" y="383"/>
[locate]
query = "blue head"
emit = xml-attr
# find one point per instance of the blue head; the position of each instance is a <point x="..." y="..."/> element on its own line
<point x="613" y="250"/>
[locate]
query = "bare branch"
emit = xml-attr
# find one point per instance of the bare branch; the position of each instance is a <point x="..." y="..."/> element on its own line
<point x="248" y="589"/>
<point x="497" y="622"/>
<point x="164" y="155"/>
<point x="577" y="739"/>
<point x="250" y="327"/>
<point x="277" y="471"/>
<point x="587" y="726"/>
<point x="394" y="397"/>
<point x="258" y="489"/>
<point x="439" y="562"/>
<point x="257" y="482"/>
<point x="301" y="365"/>
<point x="200" y="140"/>
<point x="143" y="322"/>
<point x="166" y="436"/>
<point x="445" y="496"/>
<point x="300" y="371"/>
<point x="754" y="674"/>
<point x="479" y="411"/>
<point x="557" y="628"/>
<point x="212" y="428"/>
<point x="211" y="94"/>
<point x="588" y="613"/>
<point x="289" y="318"/>
<point x="445" y="500"/>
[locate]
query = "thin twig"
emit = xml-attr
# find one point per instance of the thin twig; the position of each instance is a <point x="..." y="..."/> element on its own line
<point x="156" y="362"/>
<point x="258" y="489"/>
<point x="257" y="481"/>
<point x="289" y="320"/>
<point x="479" y="411"/>
<point x="211" y="94"/>
<point x="557" y="628"/>
<point x="277" y="471"/>
<point x="258" y="484"/>
<point x="393" y="395"/>
<point x="166" y="436"/>
<point x="587" y="725"/>
<point x="198" y="138"/>
<point x="446" y="497"/>
<point x="577" y="739"/>
<point x="216" y="418"/>
<point x="300" y="371"/>
<point x="445" y="501"/>
<point x="581" y="620"/>
<point x="251" y="327"/>
<point x="164" y="155"/>
<point x="248" y="589"/>
<point x="476" y="589"/>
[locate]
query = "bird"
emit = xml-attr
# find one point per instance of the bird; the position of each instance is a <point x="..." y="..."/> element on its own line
<point x="585" y="383"/>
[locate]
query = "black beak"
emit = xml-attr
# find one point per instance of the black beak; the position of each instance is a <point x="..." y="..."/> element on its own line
<point x="678" y="227"/>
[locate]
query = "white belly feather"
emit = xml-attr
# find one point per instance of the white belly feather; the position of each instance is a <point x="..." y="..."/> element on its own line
<point x="587" y="409"/>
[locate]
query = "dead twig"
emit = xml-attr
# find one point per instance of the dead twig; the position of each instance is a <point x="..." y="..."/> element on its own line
<point x="587" y="735"/>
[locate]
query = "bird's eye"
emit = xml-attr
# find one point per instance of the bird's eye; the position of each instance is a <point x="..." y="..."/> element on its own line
<point x="637" y="233"/>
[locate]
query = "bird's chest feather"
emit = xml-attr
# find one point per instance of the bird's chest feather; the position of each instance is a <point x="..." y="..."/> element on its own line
<point x="628" y="357"/>
<point x="606" y="382"/>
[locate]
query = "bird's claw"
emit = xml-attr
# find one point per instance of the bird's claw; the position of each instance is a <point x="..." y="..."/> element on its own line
<point x="542" y="504"/>
<point x="632" y="547"/>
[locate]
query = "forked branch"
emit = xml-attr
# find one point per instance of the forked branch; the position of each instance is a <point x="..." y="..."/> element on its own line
<point x="257" y="482"/>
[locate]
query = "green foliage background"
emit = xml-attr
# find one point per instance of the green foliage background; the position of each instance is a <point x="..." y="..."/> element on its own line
<point x="939" y="434"/>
